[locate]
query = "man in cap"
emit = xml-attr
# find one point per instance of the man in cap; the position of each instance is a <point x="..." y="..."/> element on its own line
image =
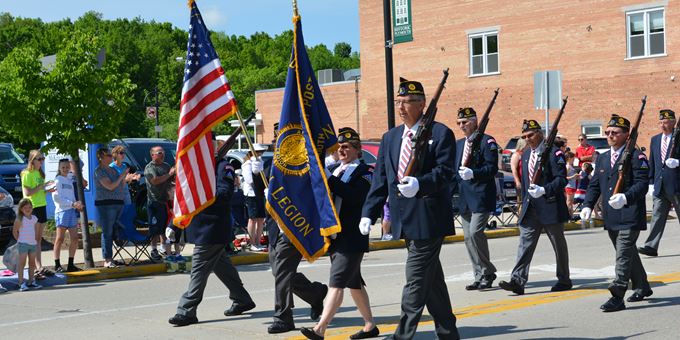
<point x="544" y="208"/>
<point x="421" y="205"/>
<point x="663" y="169"/>
<point x="476" y="181"/>
<point x="624" y="212"/>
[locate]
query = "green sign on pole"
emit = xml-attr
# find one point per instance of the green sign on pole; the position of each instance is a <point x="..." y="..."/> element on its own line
<point x="401" y="21"/>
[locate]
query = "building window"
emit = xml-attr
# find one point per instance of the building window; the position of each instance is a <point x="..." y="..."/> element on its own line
<point x="646" y="32"/>
<point x="592" y="129"/>
<point x="484" y="53"/>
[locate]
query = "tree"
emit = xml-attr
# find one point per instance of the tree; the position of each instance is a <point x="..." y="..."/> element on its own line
<point x="342" y="50"/>
<point x="78" y="102"/>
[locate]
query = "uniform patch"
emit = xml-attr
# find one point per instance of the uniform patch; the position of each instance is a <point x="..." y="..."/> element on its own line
<point x="491" y="140"/>
<point x="558" y="152"/>
<point x="642" y="156"/>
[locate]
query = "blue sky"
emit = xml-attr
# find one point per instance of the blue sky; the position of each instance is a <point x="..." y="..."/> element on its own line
<point x="323" y="21"/>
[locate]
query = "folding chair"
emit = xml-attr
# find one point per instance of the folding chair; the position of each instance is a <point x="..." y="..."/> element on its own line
<point x="506" y="210"/>
<point x="127" y="235"/>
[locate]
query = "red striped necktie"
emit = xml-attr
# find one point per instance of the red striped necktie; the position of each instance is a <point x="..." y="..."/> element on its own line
<point x="405" y="156"/>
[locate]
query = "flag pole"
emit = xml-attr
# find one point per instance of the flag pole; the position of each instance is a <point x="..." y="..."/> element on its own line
<point x="295" y="8"/>
<point x="250" y="145"/>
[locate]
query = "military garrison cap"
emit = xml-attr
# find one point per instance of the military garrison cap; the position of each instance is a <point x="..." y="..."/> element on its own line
<point x="666" y="114"/>
<point x="466" y="113"/>
<point x="529" y="125"/>
<point x="347" y="134"/>
<point x="407" y="87"/>
<point x="618" y="121"/>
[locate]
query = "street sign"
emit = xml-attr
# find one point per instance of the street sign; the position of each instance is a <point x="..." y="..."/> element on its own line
<point x="548" y="90"/>
<point x="151" y="112"/>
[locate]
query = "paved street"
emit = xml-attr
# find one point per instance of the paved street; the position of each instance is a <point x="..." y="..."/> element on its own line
<point x="139" y="307"/>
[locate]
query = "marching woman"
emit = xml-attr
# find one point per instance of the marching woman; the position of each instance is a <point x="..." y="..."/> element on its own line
<point x="349" y="181"/>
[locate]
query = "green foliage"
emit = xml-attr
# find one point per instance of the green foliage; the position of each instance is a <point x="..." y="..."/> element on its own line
<point x="147" y="54"/>
<point x="71" y="105"/>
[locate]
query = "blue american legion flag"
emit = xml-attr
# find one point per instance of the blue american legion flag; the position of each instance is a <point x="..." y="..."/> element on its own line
<point x="298" y="197"/>
<point x="207" y="100"/>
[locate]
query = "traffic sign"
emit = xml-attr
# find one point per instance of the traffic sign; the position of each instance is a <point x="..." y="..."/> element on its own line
<point x="151" y="112"/>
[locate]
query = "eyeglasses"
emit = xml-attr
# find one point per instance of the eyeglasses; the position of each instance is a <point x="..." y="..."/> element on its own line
<point x="612" y="133"/>
<point x="40" y="159"/>
<point x="581" y="139"/>
<point x="528" y="135"/>
<point x="158" y="153"/>
<point x="462" y="122"/>
<point x="399" y="102"/>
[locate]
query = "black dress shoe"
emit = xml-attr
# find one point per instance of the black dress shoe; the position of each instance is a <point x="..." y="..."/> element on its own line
<point x="512" y="286"/>
<point x="310" y="333"/>
<point x="182" y="320"/>
<point x="560" y="287"/>
<point x="649" y="251"/>
<point x="487" y="281"/>
<point x="614" y="304"/>
<point x="365" y="335"/>
<point x="239" y="308"/>
<point x="639" y="296"/>
<point x="473" y="286"/>
<point x="280" y="327"/>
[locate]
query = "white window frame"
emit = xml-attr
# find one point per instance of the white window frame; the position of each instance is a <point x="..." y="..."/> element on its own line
<point x="646" y="33"/>
<point x="485" y="55"/>
<point x="591" y="125"/>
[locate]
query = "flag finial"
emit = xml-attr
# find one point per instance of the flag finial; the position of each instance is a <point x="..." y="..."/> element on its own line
<point x="295" y="8"/>
<point x="190" y="3"/>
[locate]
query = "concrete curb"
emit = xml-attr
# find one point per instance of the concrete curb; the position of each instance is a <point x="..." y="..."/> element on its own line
<point x="254" y="258"/>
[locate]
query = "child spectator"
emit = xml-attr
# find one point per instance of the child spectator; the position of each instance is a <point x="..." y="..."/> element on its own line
<point x="572" y="182"/>
<point x="584" y="180"/>
<point x="65" y="216"/>
<point x="25" y="231"/>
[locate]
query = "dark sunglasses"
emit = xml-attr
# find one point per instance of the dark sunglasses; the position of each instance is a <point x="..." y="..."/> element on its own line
<point x="40" y="159"/>
<point x="612" y="133"/>
<point x="528" y="135"/>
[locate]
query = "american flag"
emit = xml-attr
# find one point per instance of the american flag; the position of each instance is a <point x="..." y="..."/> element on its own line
<point x="207" y="100"/>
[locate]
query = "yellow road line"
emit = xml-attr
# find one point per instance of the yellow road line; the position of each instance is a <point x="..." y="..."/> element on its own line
<point x="497" y="307"/>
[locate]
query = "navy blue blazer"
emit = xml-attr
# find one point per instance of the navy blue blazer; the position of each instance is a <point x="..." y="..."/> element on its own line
<point x="551" y="208"/>
<point x="213" y="224"/>
<point x="478" y="195"/>
<point x="353" y="194"/>
<point x="633" y="214"/>
<point x="666" y="180"/>
<point x="430" y="213"/>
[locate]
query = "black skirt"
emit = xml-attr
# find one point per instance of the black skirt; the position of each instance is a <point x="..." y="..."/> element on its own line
<point x="346" y="270"/>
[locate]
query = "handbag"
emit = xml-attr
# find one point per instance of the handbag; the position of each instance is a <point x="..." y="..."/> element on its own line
<point x="11" y="257"/>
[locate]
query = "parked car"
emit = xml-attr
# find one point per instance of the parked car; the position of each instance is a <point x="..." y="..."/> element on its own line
<point x="507" y="153"/>
<point x="7" y="217"/>
<point x="11" y="164"/>
<point x="599" y="142"/>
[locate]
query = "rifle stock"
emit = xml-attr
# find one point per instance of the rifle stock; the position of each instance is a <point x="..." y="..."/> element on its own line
<point x="424" y="133"/>
<point x="625" y="159"/>
<point x="544" y="157"/>
<point x="481" y="128"/>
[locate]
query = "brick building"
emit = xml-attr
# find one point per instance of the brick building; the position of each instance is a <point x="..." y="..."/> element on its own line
<point x="610" y="53"/>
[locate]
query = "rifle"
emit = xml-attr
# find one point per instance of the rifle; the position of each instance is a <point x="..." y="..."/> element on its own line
<point x="222" y="151"/>
<point x="544" y="157"/>
<point x="424" y="133"/>
<point x="625" y="159"/>
<point x="476" y="136"/>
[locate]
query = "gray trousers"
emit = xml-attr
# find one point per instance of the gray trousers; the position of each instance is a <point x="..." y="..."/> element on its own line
<point x="477" y="244"/>
<point x="207" y="259"/>
<point x="425" y="286"/>
<point x="628" y="264"/>
<point x="529" y="233"/>
<point x="662" y="205"/>
<point x="284" y="260"/>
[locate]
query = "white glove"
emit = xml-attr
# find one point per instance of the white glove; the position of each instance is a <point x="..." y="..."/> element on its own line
<point x="365" y="225"/>
<point x="536" y="191"/>
<point x="170" y="234"/>
<point x="585" y="214"/>
<point x="618" y="201"/>
<point x="256" y="165"/>
<point x="465" y="173"/>
<point x="672" y="163"/>
<point x="409" y="187"/>
<point x="266" y="193"/>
